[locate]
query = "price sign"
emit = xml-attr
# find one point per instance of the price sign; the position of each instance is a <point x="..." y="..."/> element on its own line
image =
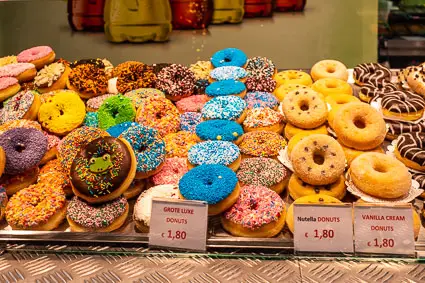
<point x="384" y="229"/>
<point x="323" y="228"/>
<point x="180" y="224"/>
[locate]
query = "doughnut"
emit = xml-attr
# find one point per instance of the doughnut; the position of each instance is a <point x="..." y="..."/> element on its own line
<point x="315" y="199"/>
<point x="257" y="83"/>
<point x="174" y="168"/>
<point x="261" y="144"/>
<point x="258" y="213"/>
<point x="214" y="152"/>
<point x="3" y="202"/>
<point x="2" y="161"/>
<point x="52" y="150"/>
<point x="404" y="105"/>
<point x="160" y="114"/>
<point x="329" y="69"/>
<point x="53" y="173"/>
<point x="410" y="150"/>
<point x="24" y="148"/>
<point x="225" y="108"/>
<point x="369" y="91"/>
<point x="157" y="67"/>
<point x="139" y="94"/>
<point x="281" y="91"/>
<point x="117" y="130"/>
<point x="192" y="103"/>
<point x="297" y="188"/>
<point x="17" y="182"/>
<point x="359" y="126"/>
<point x="88" y="80"/>
<point x="39" y="56"/>
<point x="259" y="99"/>
<point x="260" y="171"/>
<point x="223" y="130"/>
<point x="7" y="60"/>
<point x="293" y="77"/>
<point x="40" y="207"/>
<point x="373" y="73"/>
<point x="74" y="142"/>
<point x="189" y="121"/>
<point x="94" y="103"/>
<point x="226" y="87"/>
<point x="116" y="110"/>
<point x="228" y="73"/>
<point x="62" y="113"/>
<point x="23" y="72"/>
<point x="91" y="120"/>
<point x="328" y="86"/>
<point x="52" y="77"/>
<point x="260" y="67"/>
<point x="215" y="184"/>
<point x="28" y="124"/>
<point x="149" y="149"/>
<point x="201" y="86"/>
<point x="293" y="141"/>
<point x="8" y="87"/>
<point x="105" y="217"/>
<point x="402" y="77"/>
<point x="103" y="169"/>
<point x="351" y="154"/>
<point x="143" y="205"/>
<point x="176" y="81"/>
<point x="263" y="119"/>
<point x="380" y="175"/>
<point x="133" y="75"/>
<point x="135" y="189"/>
<point x="416" y="80"/>
<point x="420" y="178"/>
<point x="396" y="128"/>
<point x="305" y="109"/>
<point x="178" y="144"/>
<point x="335" y="101"/>
<point x="201" y="69"/>
<point x="229" y="57"/>
<point x="95" y="62"/>
<point x="23" y="105"/>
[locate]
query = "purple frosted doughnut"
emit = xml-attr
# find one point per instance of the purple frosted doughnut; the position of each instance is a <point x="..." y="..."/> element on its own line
<point x="24" y="149"/>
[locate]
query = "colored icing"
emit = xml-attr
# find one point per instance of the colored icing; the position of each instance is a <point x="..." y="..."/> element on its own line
<point x="213" y="152"/>
<point x="224" y="108"/>
<point x="219" y="130"/>
<point x="139" y="94"/>
<point x="7" y="82"/>
<point x="229" y="57"/>
<point x="260" y="66"/>
<point x="228" y="73"/>
<point x="14" y="70"/>
<point x="171" y="172"/>
<point x="259" y="99"/>
<point x="178" y="144"/>
<point x="17" y="106"/>
<point x="117" y="130"/>
<point x="192" y="103"/>
<point x="225" y="87"/>
<point x="176" y="80"/>
<point x="115" y="110"/>
<point x="91" y="120"/>
<point x="262" y="117"/>
<point x="373" y="73"/>
<point x="34" y="53"/>
<point x="260" y="171"/>
<point x="95" y="102"/>
<point x="189" y="121"/>
<point x="262" y="143"/>
<point x="257" y="83"/>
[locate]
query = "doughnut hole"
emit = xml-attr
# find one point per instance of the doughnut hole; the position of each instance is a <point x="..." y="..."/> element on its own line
<point x="381" y="168"/>
<point x="304" y="105"/>
<point x="19" y="147"/>
<point x="330" y="69"/>
<point x="319" y="157"/>
<point x="359" y="122"/>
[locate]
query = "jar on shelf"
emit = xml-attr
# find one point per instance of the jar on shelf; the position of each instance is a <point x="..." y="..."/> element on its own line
<point x="137" y="20"/>
<point x="228" y="11"/>
<point x="86" y="14"/>
<point x="290" y="5"/>
<point x="258" y="8"/>
<point x="191" y="14"/>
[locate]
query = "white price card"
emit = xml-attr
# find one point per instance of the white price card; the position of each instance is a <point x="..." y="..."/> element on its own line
<point x="323" y="228"/>
<point x="384" y="229"/>
<point x="179" y="224"/>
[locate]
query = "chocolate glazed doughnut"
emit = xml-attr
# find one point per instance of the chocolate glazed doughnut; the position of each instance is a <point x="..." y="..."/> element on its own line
<point x="372" y="73"/>
<point x="369" y="91"/>
<point x="396" y="128"/>
<point x="410" y="150"/>
<point x="403" y="104"/>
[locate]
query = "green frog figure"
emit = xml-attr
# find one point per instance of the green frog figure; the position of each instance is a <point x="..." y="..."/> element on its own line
<point x="100" y="164"/>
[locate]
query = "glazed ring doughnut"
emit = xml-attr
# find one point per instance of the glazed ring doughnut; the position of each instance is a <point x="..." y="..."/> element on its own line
<point x="335" y="101"/>
<point x="328" y="86"/>
<point x="351" y="153"/>
<point x="229" y="57"/>
<point x="380" y="175"/>
<point x="297" y="188"/>
<point x="318" y="160"/>
<point x="291" y="131"/>
<point x="261" y="144"/>
<point x="176" y="81"/>
<point x="88" y="80"/>
<point x="214" y="152"/>
<point x="329" y="69"/>
<point x="8" y="87"/>
<point x="174" y="168"/>
<point x="416" y="80"/>
<point x="258" y="213"/>
<point x="359" y="126"/>
<point x="24" y="105"/>
<point x="410" y="150"/>
<point x="263" y="119"/>
<point x="116" y="110"/>
<point x="39" y="56"/>
<point x="293" y="77"/>
<point x="133" y="75"/>
<point x="281" y="91"/>
<point x="373" y="73"/>
<point x="305" y="109"/>
<point x="223" y="130"/>
<point x="23" y="72"/>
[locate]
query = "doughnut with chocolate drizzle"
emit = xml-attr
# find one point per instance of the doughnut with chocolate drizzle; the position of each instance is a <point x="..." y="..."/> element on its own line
<point x="373" y="73"/>
<point x="411" y="150"/>
<point x="396" y="128"/>
<point x="404" y="104"/>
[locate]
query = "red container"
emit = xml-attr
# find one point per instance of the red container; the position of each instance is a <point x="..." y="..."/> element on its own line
<point x="86" y="14"/>
<point x="258" y="8"/>
<point x="191" y="14"/>
<point x="290" y="5"/>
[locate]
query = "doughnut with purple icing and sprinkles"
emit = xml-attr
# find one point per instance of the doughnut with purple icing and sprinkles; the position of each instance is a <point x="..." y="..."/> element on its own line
<point x="229" y="57"/>
<point x="228" y="73"/>
<point x="225" y="108"/>
<point x="226" y="87"/>
<point x="258" y="99"/>
<point x="223" y="130"/>
<point x="260" y="66"/>
<point x="189" y="121"/>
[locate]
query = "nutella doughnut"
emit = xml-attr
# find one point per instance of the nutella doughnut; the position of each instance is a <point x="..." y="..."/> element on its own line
<point x="373" y="73"/>
<point x="404" y="105"/>
<point x="410" y="150"/>
<point x="369" y="91"/>
<point x="396" y="128"/>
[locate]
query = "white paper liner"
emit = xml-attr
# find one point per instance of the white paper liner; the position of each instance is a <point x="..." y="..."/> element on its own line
<point x="413" y="193"/>
<point x="351" y="76"/>
<point x="284" y="159"/>
<point x="332" y="132"/>
<point x="376" y="104"/>
<point x="112" y="86"/>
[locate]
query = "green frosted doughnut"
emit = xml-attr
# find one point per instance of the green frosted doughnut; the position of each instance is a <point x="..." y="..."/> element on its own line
<point x="116" y="110"/>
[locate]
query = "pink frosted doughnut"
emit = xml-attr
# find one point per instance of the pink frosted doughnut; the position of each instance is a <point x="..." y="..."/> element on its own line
<point x="52" y="141"/>
<point x="14" y="70"/>
<point x="192" y="103"/>
<point x="34" y="53"/>
<point x="172" y="170"/>
<point x="7" y="82"/>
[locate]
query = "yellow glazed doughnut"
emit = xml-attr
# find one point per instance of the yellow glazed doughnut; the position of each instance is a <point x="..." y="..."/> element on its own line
<point x="380" y="175"/>
<point x="332" y="86"/>
<point x="359" y="126"/>
<point x="292" y="77"/>
<point x="297" y="188"/>
<point x="305" y="109"/>
<point x="351" y="153"/>
<point x="291" y="131"/>
<point x="335" y="101"/>
<point x="329" y="69"/>
<point x="281" y="91"/>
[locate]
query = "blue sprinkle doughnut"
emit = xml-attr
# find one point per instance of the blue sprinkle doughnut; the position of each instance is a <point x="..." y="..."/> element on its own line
<point x="213" y="152"/>
<point x="226" y="87"/>
<point x="148" y="147"/>
<point x="224" y="108"/>
<point x="189" y="121"/>
<point x="229" y="57"/>
<point x="209" y="183"/>
<point x="228" y="73"/>
<point x="116" y="131"/>
<point x="259" y="99"/>
<point x="91" y="120"/>
<point x="219" y="130"/>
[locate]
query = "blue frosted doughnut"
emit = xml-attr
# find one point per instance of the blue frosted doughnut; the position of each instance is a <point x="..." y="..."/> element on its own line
<point x="213" y="152"/>
<point x="228" y="73"/>
<point x="209" y="183"/>
<point x="226" y="87"/>
<point x="91" y="120"/>
<point x="260" y="99"/>
<point x="189" y="121"/>
<point x="219" y="130"/>
<point x="224" y="108"/>
<point x="148" y="147"/>
<point x="116" y="131"/>
<point x="229" y="57"/>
